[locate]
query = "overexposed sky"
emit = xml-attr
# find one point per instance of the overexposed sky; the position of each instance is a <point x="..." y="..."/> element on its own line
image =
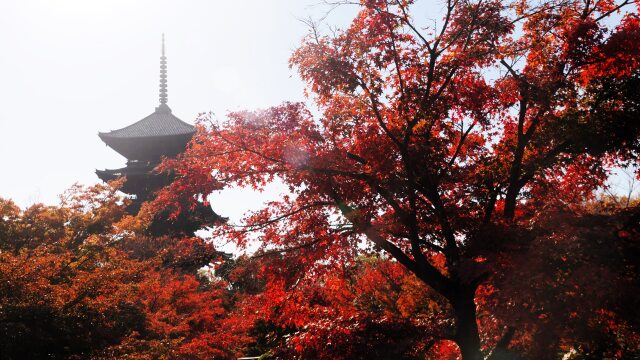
<point x="72" y="68"/>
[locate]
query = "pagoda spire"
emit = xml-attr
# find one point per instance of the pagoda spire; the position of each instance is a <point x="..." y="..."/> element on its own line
<point x="163" y="79"/>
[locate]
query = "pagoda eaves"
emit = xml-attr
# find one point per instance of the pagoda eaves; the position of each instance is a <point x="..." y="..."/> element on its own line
<point x="159" y="134"/>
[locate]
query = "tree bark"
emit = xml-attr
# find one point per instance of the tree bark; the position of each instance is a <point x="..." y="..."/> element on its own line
<point x="467" y="336"/>
<point x="510" y="203"/>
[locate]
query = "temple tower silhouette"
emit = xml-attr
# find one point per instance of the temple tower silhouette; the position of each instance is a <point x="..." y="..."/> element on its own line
<point x="144" y="144"/>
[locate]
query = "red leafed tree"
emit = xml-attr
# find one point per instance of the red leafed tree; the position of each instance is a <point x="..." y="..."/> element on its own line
<point x="447" y="148"/>
<point x="81" y="280"/>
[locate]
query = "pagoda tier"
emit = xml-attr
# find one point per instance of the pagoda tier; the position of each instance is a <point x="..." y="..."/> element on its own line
<point x="142" y="180"/>
<point x="187" y="222"/>
<point x="157" y="135"/>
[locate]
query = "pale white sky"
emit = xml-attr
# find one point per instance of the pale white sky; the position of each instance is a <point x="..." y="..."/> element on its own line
<point x="72" y="68"/>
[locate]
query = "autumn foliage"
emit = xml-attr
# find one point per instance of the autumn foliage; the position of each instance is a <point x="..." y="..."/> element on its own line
<point x="444" y="202"/>
<point x="81" y="280"/>
<point x="467" y="152"/>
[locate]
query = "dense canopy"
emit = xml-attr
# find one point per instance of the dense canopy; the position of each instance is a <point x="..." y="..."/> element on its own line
<point x="465" y="149"/>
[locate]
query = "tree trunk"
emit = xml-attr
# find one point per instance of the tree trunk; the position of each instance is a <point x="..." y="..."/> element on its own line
<point x="467" y="336"/>
<point x="510" y="201"/>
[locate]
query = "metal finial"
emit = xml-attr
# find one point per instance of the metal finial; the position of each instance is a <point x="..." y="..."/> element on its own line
<point x="163" y="76"/>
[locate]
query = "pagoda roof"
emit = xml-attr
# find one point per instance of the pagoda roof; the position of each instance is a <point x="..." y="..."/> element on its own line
<point x="160" y="123"/>
<point x="158" y="135"/>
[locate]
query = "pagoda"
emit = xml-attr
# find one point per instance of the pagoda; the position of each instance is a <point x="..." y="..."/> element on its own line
<point x="144" y="144"/>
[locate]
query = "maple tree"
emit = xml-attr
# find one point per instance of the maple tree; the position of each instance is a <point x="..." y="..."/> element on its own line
<point x="463" y="152"/>
<point x="83" y="280"/>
